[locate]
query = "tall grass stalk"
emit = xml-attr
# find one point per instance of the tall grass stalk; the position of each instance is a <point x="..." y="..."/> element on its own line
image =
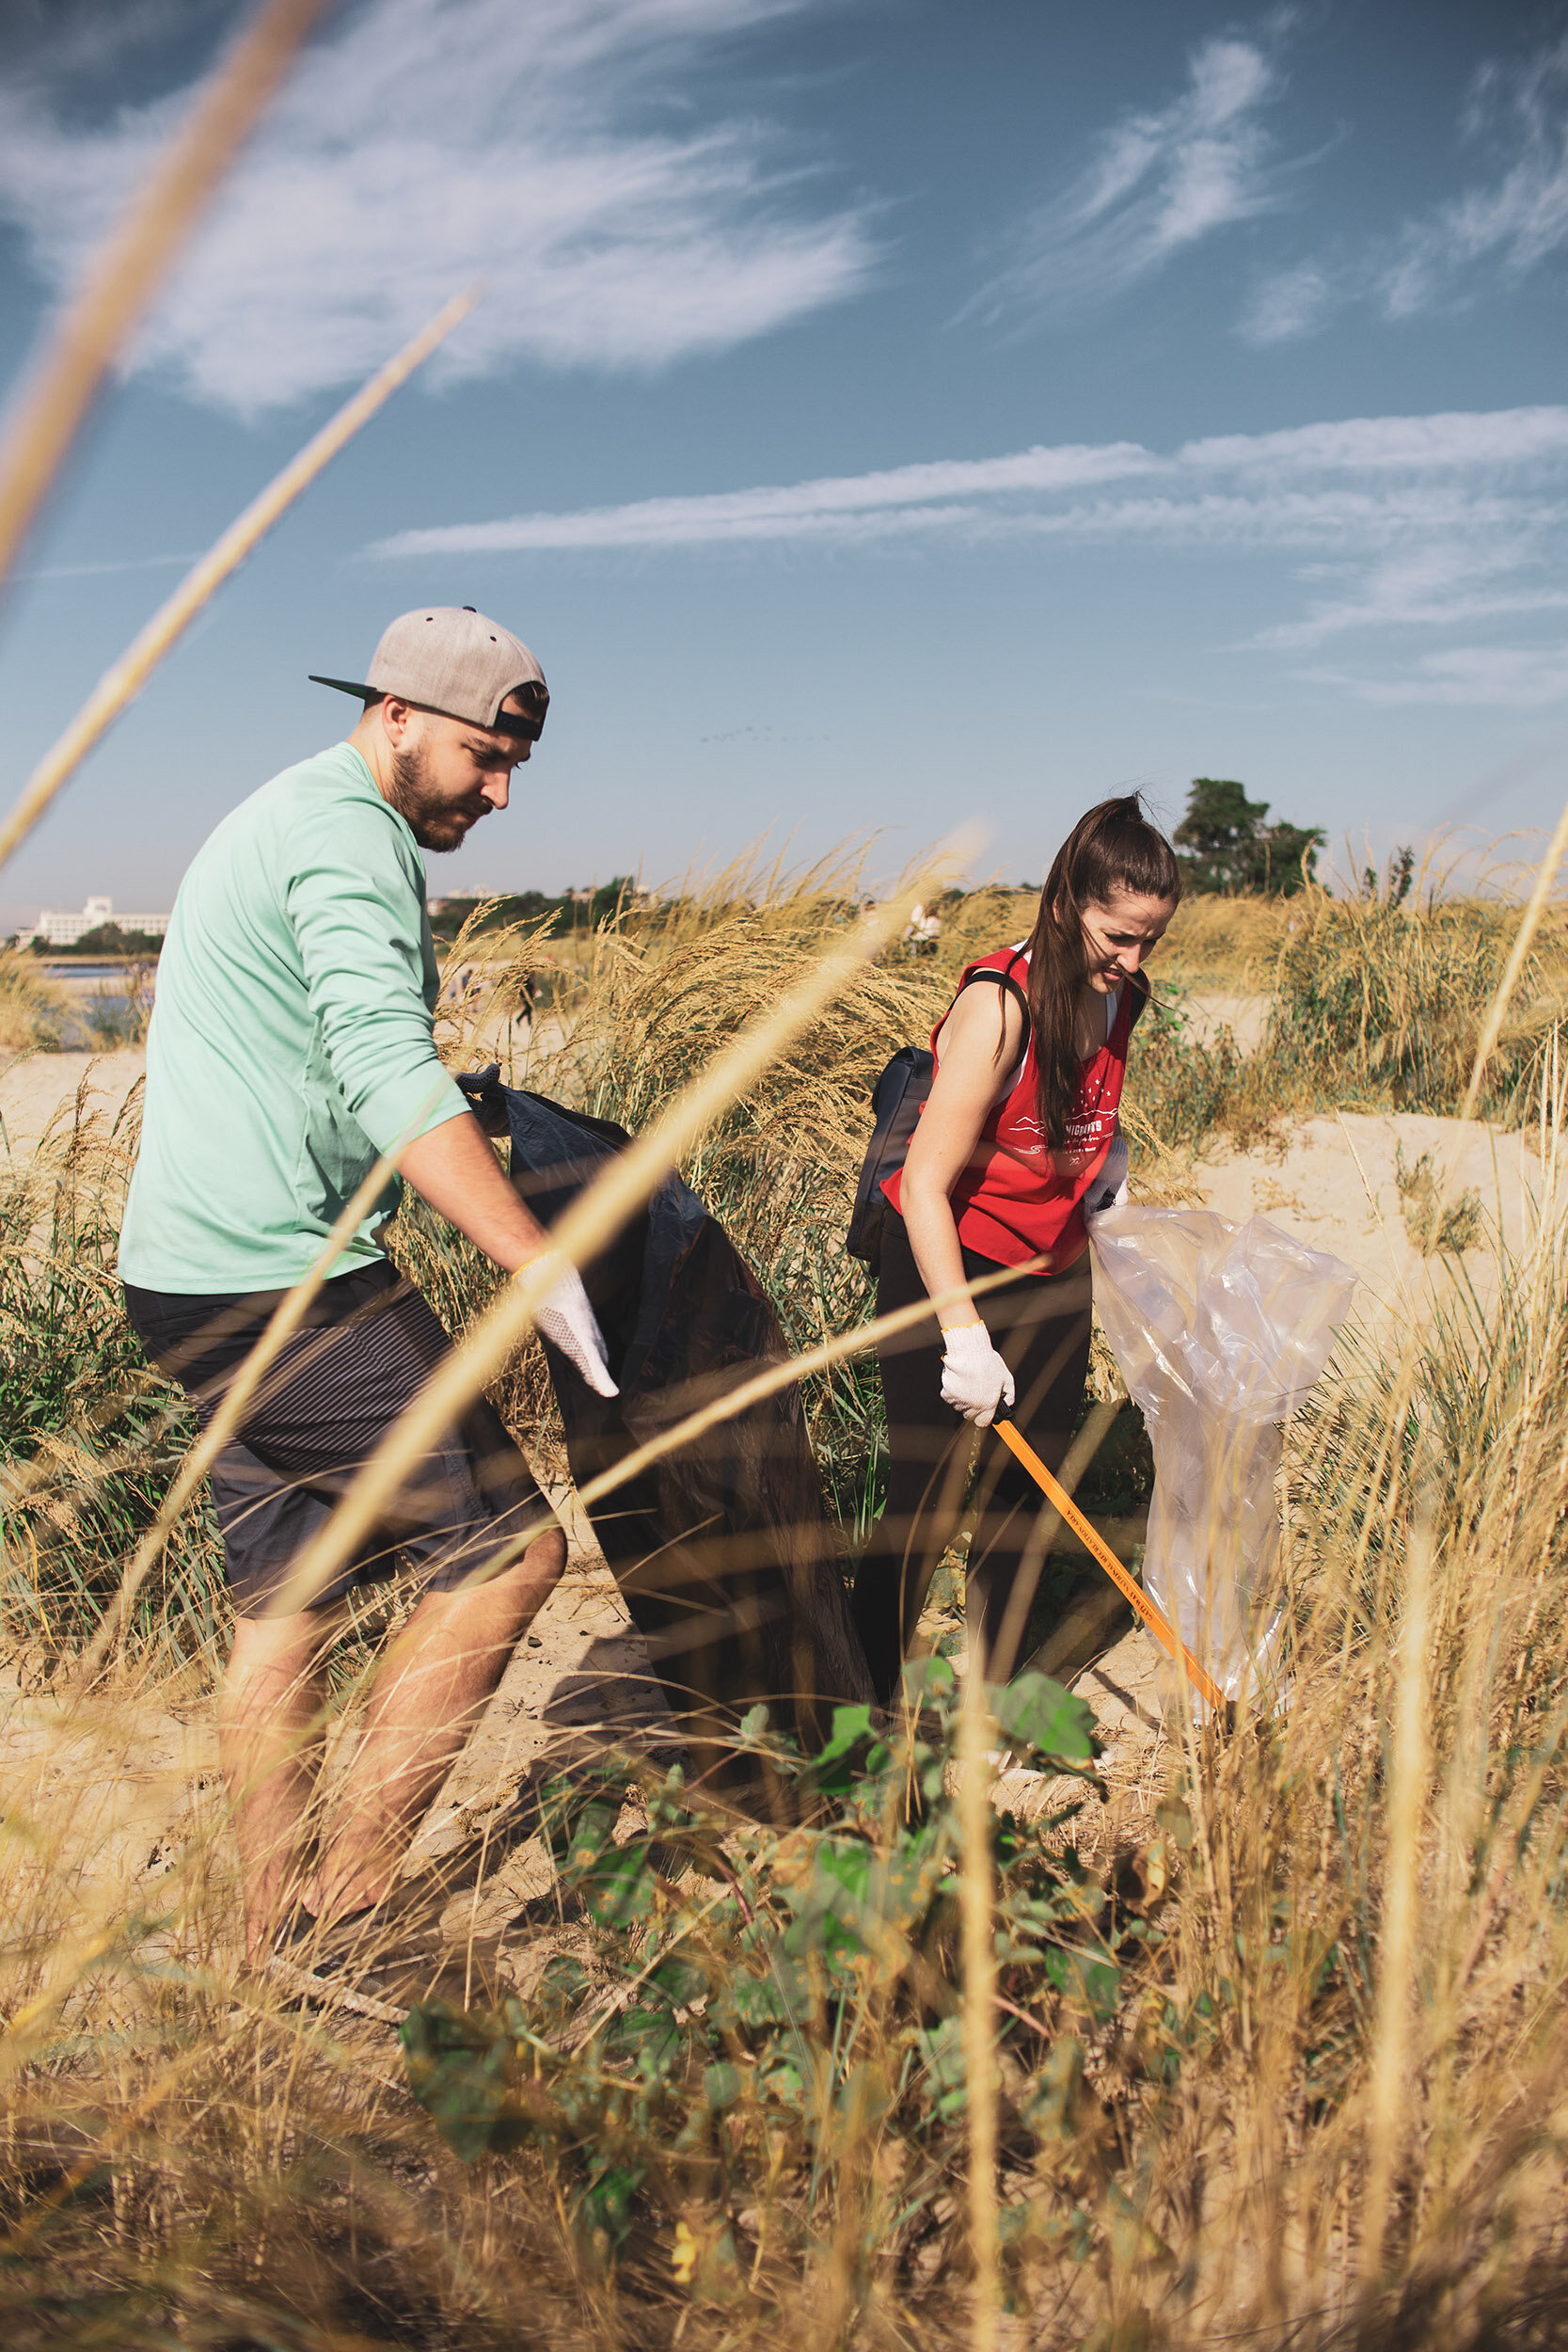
<point x="124" y="680"/>
<point x="132" y="262"/>
<point x="1387" y="2098"/>
<point x="35" y="1010"/>
<point x="977" y="1906"/>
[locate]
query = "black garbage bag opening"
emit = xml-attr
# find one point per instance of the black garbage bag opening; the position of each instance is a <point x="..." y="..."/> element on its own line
<point x="724" y="1551"/>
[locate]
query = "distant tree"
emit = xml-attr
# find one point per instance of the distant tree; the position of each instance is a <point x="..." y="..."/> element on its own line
<point x="1219" y="833"/>
<point x="610" y="900"/>
<point x="565" y="911"/>
<point x="107" y="939"/>
<point x="1225" y="845"/>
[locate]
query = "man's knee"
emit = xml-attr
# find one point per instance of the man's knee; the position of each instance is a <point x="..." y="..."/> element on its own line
<point x="520" y="1587"/>
<point x="535" y="1576"/>
<point x="546" y="1554"/>
<point x="274" y="1652"/>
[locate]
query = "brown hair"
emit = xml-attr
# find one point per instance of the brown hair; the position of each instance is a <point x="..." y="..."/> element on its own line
<point x="1113" y="846"/>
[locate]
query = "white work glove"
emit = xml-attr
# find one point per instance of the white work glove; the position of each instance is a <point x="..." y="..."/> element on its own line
<point x="564" y="1317"/>
<point x="1109" y="1189"/>
<point x="974" y="1379"/>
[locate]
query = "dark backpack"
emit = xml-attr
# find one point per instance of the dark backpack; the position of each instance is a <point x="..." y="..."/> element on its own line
<point x="897" y="1100"/>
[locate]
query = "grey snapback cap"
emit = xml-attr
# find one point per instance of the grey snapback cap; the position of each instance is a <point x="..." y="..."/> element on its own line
<point x="449" y="657"/>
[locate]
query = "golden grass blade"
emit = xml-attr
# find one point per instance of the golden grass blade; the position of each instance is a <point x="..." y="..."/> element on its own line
<point x="976" y="1897"/>
<point x="598" y="1213"/>
<point x="1529" y="923"/>
<point x="1389" y="2089"/>
<point x="133" y="262"/>
<point x="129" y="674"/>
<point x="286" y="1320"/>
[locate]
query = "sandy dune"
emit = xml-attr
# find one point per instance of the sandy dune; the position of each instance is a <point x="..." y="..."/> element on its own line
<point x="1335" y="1185"/>
<point x="34" y="1088"/>
<point x="1210" y="1011"/>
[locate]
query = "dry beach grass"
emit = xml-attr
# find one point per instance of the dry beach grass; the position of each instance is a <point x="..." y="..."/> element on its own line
<point x="1276" y="2014"/>
<point x="1280" y="2051"/>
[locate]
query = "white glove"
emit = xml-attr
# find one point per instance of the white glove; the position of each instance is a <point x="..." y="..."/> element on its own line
<point x="974" y="1379"/>
<point x="564" y="1317"/>
<point x="1109" y="1189"/>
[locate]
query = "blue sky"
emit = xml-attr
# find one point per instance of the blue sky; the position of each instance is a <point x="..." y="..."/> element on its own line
<point x="880" y="415"/>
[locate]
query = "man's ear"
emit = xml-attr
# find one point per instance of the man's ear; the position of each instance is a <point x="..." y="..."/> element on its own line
<point x="395" y="715"/>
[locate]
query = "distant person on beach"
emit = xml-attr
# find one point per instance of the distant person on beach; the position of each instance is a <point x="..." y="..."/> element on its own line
<point x="290" y="1047"/>
<point x="1018" y="1140"/>
<point x="923" y="931"/>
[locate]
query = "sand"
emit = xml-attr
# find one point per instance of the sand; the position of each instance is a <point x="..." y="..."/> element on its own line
<point x="1245" y="1017"/>
<point x="1335" y="1185"/>
<point x="38" y="1088"/>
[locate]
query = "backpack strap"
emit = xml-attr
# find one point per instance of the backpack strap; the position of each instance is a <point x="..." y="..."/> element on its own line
<point x="1003" y="979"/>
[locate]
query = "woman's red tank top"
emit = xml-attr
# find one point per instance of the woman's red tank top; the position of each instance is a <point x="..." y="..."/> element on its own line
<point x="1018" y="1197"/>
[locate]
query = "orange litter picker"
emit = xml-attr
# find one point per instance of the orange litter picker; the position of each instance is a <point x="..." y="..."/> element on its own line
<point x="1127" y="1585"/>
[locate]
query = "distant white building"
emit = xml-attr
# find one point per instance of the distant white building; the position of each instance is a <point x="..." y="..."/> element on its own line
<point x="64" y="930"/>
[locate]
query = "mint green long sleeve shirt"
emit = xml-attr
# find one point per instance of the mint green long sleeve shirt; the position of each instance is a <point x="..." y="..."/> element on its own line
<point x="291" y="1042"/>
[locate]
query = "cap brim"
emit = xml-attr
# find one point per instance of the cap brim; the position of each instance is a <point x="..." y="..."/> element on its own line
<point x="504" y="723"/>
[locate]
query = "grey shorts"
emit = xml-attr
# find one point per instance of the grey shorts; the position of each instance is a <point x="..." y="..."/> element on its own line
<point x="368" y="1343"/>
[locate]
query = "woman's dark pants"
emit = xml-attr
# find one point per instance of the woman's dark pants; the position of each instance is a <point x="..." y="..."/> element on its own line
<point x="1041" y="1325"/>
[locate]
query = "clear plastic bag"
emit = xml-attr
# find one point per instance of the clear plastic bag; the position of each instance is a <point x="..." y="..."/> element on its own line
<point x="1220" y="1332"/>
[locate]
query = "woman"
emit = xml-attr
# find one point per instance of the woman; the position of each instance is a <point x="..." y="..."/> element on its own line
<point x="1016" y="1138"/>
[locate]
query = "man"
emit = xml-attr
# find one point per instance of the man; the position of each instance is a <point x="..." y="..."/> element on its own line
<point x="291" y="1046"/>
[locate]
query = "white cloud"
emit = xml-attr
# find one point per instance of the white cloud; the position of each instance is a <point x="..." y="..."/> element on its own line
<point x="1155" y="185"/>
<point x="906" y="496"/>
<point x="1363" y="477"/>
<point x="1421" y="523"/>
<point x="1512" y="677"/>
<point x="1447" y="441"/>
<point x="1294" y="302"/>
<point x="1505" y="227"/>
<point x="1496" y="231"/>
<point x="427" y="143"/>
<point x="1440" y="584"/>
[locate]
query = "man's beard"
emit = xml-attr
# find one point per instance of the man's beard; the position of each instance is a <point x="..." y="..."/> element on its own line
<point x="434" y="823"/>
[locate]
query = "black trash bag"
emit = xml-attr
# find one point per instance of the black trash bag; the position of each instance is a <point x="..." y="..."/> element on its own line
<point x="723" y="1550"/>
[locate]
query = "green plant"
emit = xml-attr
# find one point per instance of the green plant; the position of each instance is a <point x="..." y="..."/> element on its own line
<point x="1398" y="877"/>
<point x="1182" y="1089"/>
<point x="1435" y="1226"/>
<point x="89" y="1436"/>
<point x="1384" y="1002"/>
<point x="750" y="2017"/>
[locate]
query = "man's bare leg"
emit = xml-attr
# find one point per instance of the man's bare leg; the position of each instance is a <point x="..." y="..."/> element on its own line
<point x="436" y="1683"/>
<point x="269" y="1739"/>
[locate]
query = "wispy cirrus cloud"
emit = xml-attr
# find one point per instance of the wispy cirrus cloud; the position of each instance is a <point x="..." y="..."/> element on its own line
<point x="1520" y="677"/>
<point x="919" y="497"/>
<point x="1494" y="232"/>
<point x="1156" y="183"/>
<point x="1401" y="523"/>
<point x="556" y="152"/>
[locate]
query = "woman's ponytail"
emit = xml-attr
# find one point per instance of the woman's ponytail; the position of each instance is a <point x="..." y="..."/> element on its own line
<point x="1113" y="848"/>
